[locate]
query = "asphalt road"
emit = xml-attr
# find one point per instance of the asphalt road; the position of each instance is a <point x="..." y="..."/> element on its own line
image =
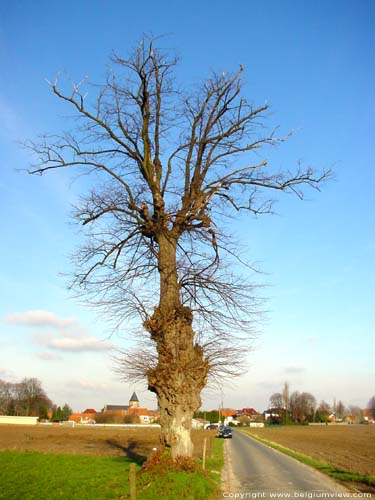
<point x="254" y="468"/>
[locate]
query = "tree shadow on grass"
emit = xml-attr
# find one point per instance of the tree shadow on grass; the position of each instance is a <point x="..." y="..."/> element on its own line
<point x="129" y="450"/>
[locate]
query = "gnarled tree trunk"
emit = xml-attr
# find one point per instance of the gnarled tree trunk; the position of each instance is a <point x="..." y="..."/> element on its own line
<point x="181" y="371"/>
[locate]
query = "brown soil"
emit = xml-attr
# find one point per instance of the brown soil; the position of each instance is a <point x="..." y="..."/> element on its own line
<point x="136" y="443"/>
<point x="349" y="447"/>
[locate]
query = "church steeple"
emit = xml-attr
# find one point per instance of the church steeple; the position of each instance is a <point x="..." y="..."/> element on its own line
<point x="134" y="401"/>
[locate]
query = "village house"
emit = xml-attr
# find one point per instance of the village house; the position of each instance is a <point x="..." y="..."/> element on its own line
<point x="228" y="412"/>
<point x="86" y="417"/>
<point x="368" y="416"/>
<point x="249" y="415"/>
<point x="199" y="423"/>
<point x="251" y="412"/>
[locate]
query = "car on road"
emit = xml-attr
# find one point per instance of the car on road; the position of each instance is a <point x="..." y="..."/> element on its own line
<point x="225" y="432"/>
<point x="211" y="426"/>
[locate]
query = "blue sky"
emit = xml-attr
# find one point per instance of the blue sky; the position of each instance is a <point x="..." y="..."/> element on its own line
<point x="313" y="61"/>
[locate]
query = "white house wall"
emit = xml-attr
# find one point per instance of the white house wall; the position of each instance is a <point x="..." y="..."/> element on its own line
<point x="5" y="419"/>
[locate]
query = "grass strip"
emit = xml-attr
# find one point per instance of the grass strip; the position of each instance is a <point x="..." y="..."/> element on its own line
<point x="34" y="475"/>
<point x="199" y="485"/>
<point x="330" y="470"/>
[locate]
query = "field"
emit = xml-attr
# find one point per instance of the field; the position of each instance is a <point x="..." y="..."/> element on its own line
<point x="133" y="442"/>
<point x="346" y="448"/>
<point x="83" y="463"/>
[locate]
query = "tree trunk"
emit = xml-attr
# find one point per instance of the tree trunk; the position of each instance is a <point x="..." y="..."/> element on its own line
<point x="181" y="372"/>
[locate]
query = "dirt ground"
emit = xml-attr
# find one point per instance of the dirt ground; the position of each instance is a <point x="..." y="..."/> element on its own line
<point x="136" y="443"/>
<point x="351" y="447"/>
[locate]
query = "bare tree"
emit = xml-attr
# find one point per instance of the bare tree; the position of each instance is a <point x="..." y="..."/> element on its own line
<point x="277" y="402"/>
<point x="23" y="398"/>
<point x="294" y="406"/>
<point x="170" y="167"/>
<point x="280" y="401"/>
<point x="302" y="406"/>
<point x="340" y="410"/>
<point x="323" y="412"/>
<point x="356" y="414"/>
<point x="308" y="403"/>
<point x="5" y="396"/>
<point x="31" y="397"/>
<point x="324" y="408"/>
<point x="371" y="406"/>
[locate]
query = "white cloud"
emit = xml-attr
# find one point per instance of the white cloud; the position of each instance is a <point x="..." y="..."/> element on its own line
<point x="87" y="385"/>
<point x="59" y="333"/>
<point x="291" y="370"/>
<point x="40" y="318"/>
<point x="76" y="345"/>
<point x="48" y="356"/>
<point x="6" y="374"/>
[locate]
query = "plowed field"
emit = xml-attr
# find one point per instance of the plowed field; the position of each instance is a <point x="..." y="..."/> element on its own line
<point x="136" y="443"/>
<point x="349" y="447"/>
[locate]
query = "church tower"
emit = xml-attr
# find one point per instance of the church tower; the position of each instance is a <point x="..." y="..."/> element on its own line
<point x="134" y="401"/>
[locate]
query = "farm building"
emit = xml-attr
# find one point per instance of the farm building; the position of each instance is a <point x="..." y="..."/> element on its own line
<point x="368" y="416"/>
<point x="248" y="411"/>
<point x="86" y="417"/>
<point x="228" y="412"/>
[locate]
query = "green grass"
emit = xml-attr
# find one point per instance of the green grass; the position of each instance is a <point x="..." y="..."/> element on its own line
<point x="32" y="475"/>
<point x="330" y="470"/>
<point x="36" y="476"/>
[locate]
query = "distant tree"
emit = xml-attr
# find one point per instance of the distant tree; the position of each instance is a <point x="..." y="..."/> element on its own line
<point x="356" y="414"/>
<point x="61" y="414"/>
<point x="280" y="401"/>
<point x="168" y="165"/>
<point x="54" y="414"/>
<point x="66" y="411"/>
<point x="340" y="410"/>
<point x="32" y="397"/>
<point x="371" y="406"/>
<point x="324" y="407"/>
<point x="104" y="417"/>
<point x="244" y="419"/>
<point x="26" y="398"/>
<point x="5" y="397"/>
<point x="211" y="416"/>
<point x="323" y="411"/>
<point x="101" y="418"/>
<point x="57" y="414"/>
<point x="294" y="406"/>
<point x="43" y="412"/>
<point x="11" y="409"/>
<point x="309" y="405"/>
<point x="302" y="406"/>
<point x="277" y="403"/>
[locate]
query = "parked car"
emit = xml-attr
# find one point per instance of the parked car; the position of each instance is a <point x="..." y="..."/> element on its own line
<point x="225" y="432"/>
<point x="211" y="426"/>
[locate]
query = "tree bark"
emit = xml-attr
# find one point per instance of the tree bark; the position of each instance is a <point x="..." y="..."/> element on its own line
<point x="181" y="371"/>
